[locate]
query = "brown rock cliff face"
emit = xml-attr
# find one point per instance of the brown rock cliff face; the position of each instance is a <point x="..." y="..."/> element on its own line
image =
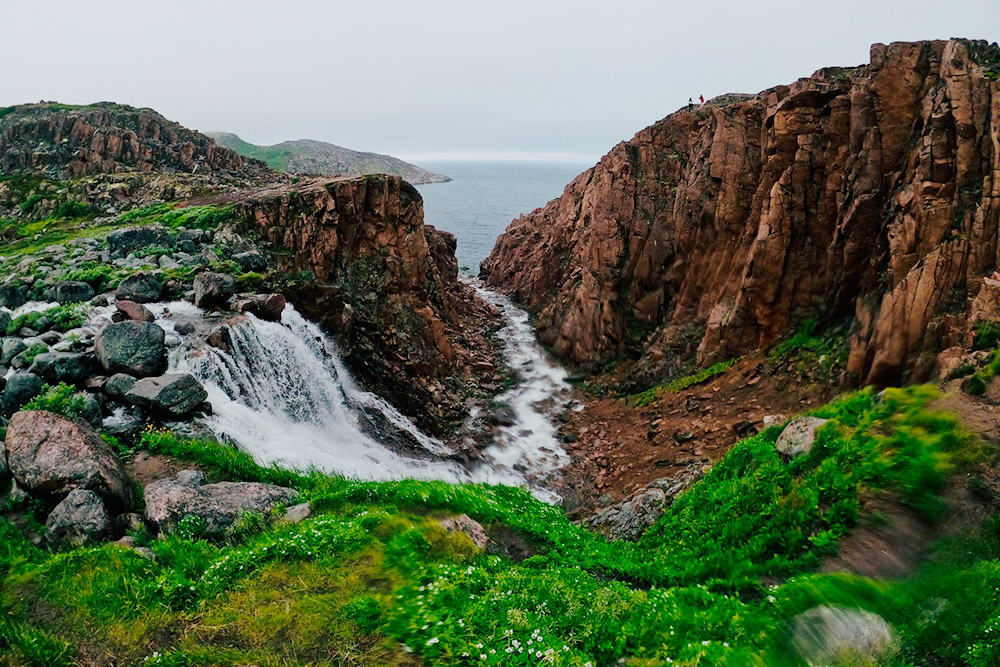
<point x="869" y="193"/>
<point x="383" y="281"/>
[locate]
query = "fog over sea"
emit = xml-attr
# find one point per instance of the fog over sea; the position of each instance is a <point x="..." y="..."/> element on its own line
<point x="483" y="197"/>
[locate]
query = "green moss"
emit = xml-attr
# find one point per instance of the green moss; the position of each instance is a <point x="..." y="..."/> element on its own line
<point x="58" y="318"/>
<point x="679" y="384"/>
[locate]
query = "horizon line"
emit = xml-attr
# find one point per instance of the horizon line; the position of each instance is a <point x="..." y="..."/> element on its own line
<point x="497" y="156"/>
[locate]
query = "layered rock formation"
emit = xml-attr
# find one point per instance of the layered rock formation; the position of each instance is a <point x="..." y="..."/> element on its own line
<point x="868" y="193"/>
<point x="366" y="267"/>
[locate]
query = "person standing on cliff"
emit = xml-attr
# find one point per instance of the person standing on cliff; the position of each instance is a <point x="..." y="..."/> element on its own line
<point x="690" y="104"/>
<point x="702" y="98"/>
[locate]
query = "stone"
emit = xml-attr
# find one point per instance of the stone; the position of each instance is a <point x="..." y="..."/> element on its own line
<point x="797" y="438"/>
<point x="773" y="420"/>
<point x="10" y="348"/>
<point x="467" y="526"/>
<point x="13" y="296"/>
<point x="213" y="289"/>
<point x="140" y="287"/>
<point x="80" y="518"/>
<point x="132" y="239"/>
<point x="251" y="260"/>
<point x="173" y="396"/>
<point x="4" y="470"/>
<point x="5" y="320"/>
<point x="70" y="367"/>
<point x="118" y="385"/>
<point x="131" y="347"/>
<point x="297" y="513"/>
<point x="265" y="306"/>
<point x="134" y="311"/>
<point x="72" y="291"/>
<point x="21" y="388"/>
<point x="834" y="636"/>
<point x="50" y="456"/>
<point x="219" y="505"/>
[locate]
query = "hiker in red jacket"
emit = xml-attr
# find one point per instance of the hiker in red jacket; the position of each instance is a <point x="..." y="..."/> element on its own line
<point x="702" y="98"/>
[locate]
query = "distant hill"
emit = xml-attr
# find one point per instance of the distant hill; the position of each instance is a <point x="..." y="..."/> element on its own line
<point x="306" y="156"/>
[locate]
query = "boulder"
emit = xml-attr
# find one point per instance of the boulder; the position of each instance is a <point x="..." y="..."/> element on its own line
<point x="265" y="306"/>
<point x="798" y="436"/>
<point x="13" y="296"/>
<point x="297" y="513"/>
<point x="21" y="388"/>
<point x="71" y="367"/>
<point x="50" y="456"/>
<point x="72" y="291"/>
<point x="4" y="321"/>
<point x="131" y="239"/>
<point x="219" y="505"/>
<point x="80" y="518"/>
<point x="134" y="311"/>
<point x="467" y="526"/>
<point x="10" y="348"/>
<point x="4" y="470"/>
<point x="834" y="636"/>
<point x="132" y="347"/>
<point x="140" y="288"/>
<point x="173" y="395"/>
<point x="213" y="289"/>
<point x="251" y="261"/>
<point x="118" y="385"/>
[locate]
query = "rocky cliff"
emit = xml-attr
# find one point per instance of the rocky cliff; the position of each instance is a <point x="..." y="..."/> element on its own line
<point x="367" y="268"/>
<point x="867" y="193"/>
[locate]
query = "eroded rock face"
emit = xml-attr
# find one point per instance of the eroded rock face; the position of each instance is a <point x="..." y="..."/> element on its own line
<point x="219" y="505"/>
<point x="869" y="193"/>
<point x="382" y="280"/>
<point x="50" y="456"/>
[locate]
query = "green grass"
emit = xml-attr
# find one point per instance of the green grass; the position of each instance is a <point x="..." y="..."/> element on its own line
<point x="820" y="354"/>
<point x="62" y="399"/>
<point x="679" y="384"/>
<point x="57" y="318"/>
<point x="192" y="217"/>
<point x="372" y="572"/>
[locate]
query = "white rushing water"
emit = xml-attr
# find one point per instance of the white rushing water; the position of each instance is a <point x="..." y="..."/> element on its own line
<point x="282" y="394"/>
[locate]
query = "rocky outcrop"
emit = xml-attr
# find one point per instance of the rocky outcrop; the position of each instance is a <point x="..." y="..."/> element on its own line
<point x="107" y="138"/>
<point x="219" y="505"/>
<point x="132" y="347"/>
<point x="50" y="456"/>
<point x="365" y="267"/>
<point x="867" y="193"/>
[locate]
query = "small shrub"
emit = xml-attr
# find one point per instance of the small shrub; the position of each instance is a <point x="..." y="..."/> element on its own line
<point x="61" y="399"/>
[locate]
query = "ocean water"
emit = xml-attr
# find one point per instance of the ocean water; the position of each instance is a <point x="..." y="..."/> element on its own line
<point x="483" y="197"/>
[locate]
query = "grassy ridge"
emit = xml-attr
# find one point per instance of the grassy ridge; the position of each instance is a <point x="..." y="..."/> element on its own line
<point x="373" y="579"/>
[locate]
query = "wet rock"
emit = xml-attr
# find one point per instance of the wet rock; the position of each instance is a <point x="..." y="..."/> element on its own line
<point x="21" y="388"/>
<point x="79" y="519"/>
<point x="132" y="239"/>
<point x="140" y="287"/>
<point x="219" y="505"/>
<point x="50" y="337"/>
<point x="13" y="296"/>
<point x="251" y="261"/>
<point x="118" y="385"/>
<point x="265" y="306"/>
<point x="174" y="395"/>
<point x="50" y="456"/>
<point x="184" y="328"/>
<point x="134" y="311"/>
<point x="68" y="367"/>
<point x="10" y="348"/>
<point x="798" y="436"/>
<point x="212" y="290"/>
<point x="628" y="519"/>
<point x="4" y="321"/>
<point x="132" y="347"/>
<point x="72" y="291"/>
<point x="467" y="526"/>
<point x="836" y="636"/>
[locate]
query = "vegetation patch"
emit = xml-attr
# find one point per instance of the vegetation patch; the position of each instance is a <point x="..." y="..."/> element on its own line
<point x="679" y="384"/>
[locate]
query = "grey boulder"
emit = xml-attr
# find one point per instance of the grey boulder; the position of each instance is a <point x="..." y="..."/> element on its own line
<point x="140" y="287"/>
<point x="168" y="501"/>
<point x="130" y="239"/>
<point x="10" y="348"/>
<point x="79" y="519"/>
<point x="72" y="291"/>
<point x="213" y="289"/>
<point x="834" y="636"/>
<point x="69" y="367"/>
<point x="50" y="456"/>
<point x="21" y="388"/>
<point x="132" y="347"/>
<point x="173" y="395"/>
<point x="799" y="436"/>
<point x="118" y="385"/>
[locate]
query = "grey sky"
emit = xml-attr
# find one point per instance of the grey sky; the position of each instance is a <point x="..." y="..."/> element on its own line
<point x="418" y="78"/>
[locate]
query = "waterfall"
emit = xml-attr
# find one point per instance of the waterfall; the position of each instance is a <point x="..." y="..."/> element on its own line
<point x="282" y="393"/>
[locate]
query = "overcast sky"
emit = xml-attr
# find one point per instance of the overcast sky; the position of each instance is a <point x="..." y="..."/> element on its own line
<point x="423" y="79"/>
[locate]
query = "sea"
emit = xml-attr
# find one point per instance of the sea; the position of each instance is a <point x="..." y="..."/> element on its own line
<point x="484" y="197"/>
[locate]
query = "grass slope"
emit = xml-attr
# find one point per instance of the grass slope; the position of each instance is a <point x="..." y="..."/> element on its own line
<point x="373" y="579"/>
